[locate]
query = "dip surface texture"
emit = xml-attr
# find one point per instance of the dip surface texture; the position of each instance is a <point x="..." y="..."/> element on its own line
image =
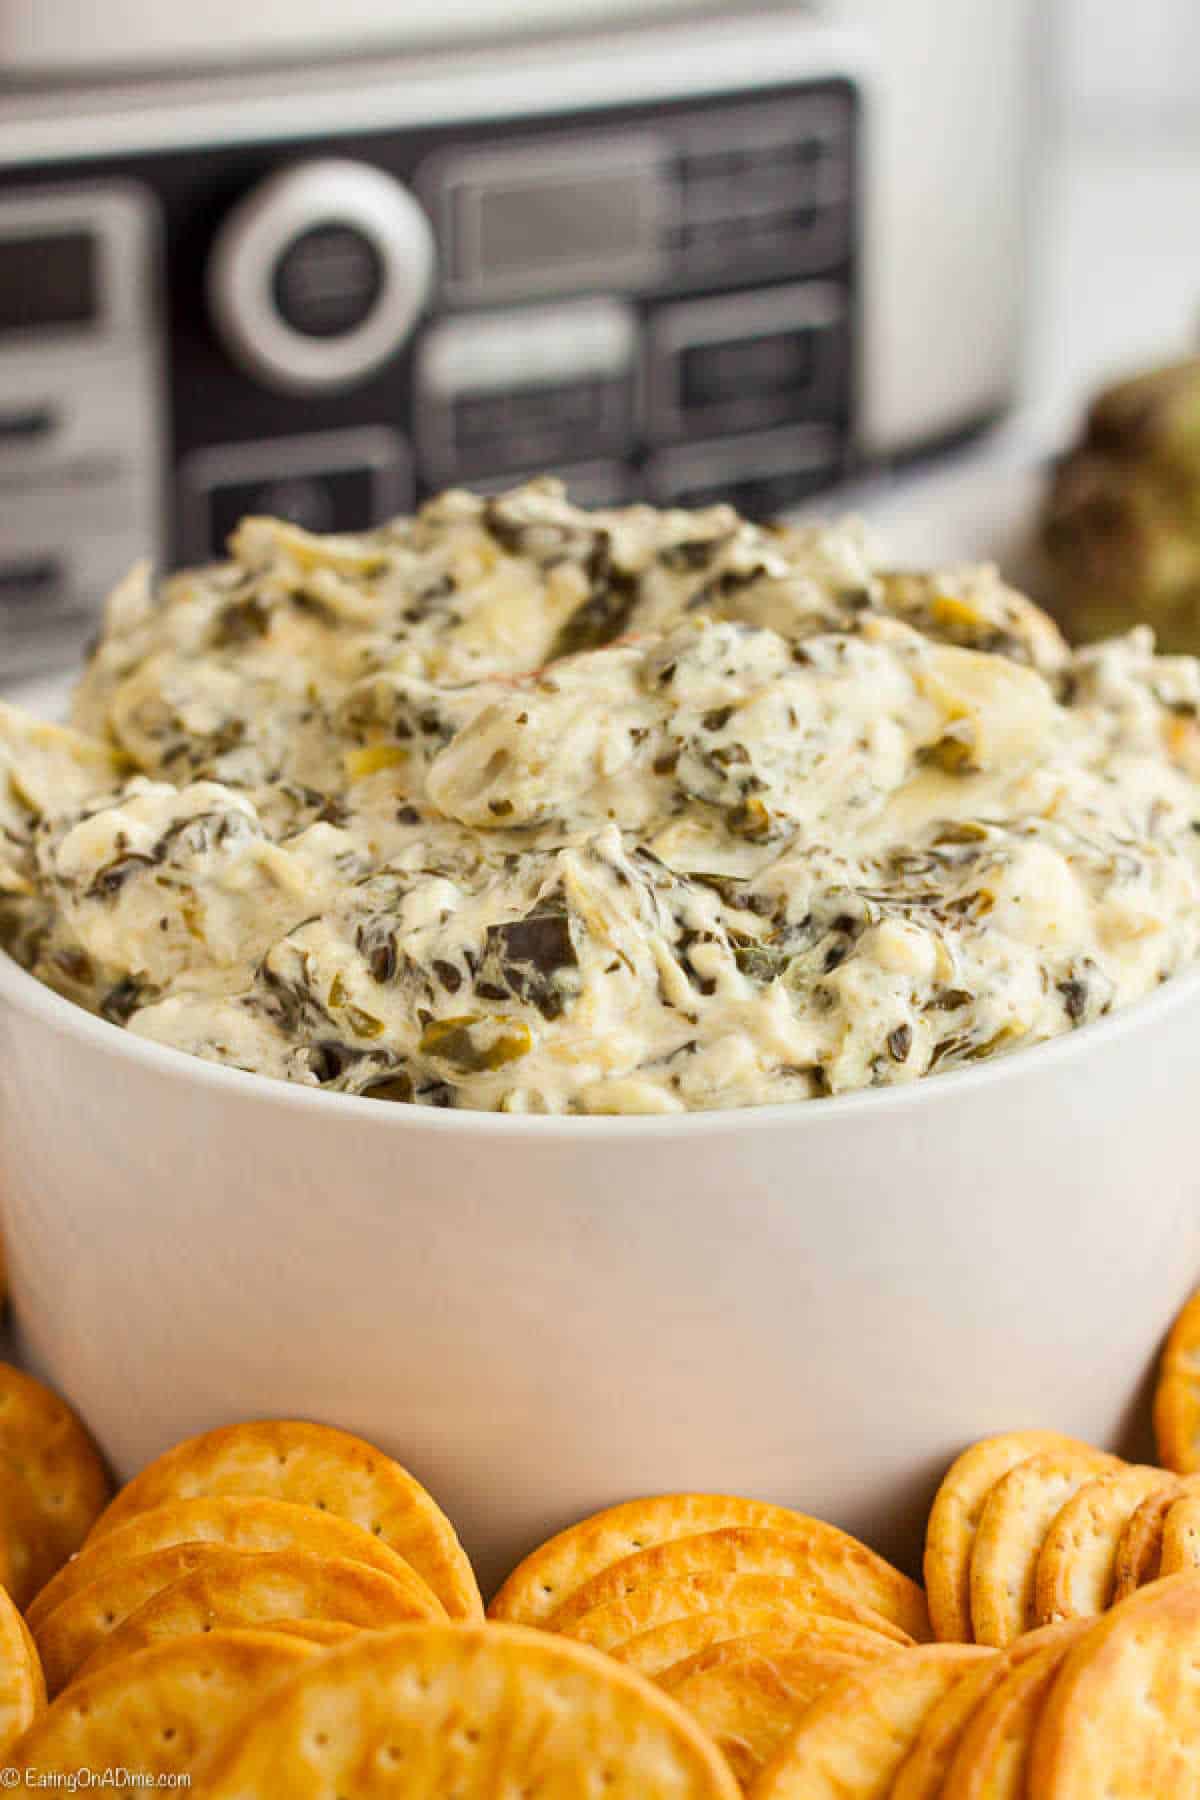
<point x="515" y="807"/>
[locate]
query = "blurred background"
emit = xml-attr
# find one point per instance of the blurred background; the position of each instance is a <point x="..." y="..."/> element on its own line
<point x="870" y="254"/>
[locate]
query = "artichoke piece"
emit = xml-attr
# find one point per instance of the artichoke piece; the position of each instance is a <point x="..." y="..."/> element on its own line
<point x="475" y="1043"/>
<point x="1120" y="526"/>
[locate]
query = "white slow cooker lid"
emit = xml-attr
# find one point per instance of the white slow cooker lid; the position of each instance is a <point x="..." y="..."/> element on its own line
<point x="64" y="36"/>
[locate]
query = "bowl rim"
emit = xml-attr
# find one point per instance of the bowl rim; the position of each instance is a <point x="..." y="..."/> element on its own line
<point x="26" y="994"/>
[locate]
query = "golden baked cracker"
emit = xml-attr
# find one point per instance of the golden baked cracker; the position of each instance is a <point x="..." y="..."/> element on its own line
<point x="322" y="1632"/>
<point x="477" y="1711"/>
<point x="313" y="1465"/>
<point x="248" y="1587"/>
<point x="46" y="1445"/>
<point x="779" y="1622"/>
<point x="851" y="1743"/>
<point x="67" y="1636"/>
<point x="992" y="1758"/>
<point x="1177" y="1394"/>
<point x="1123" y="1717"/>
<point x="549" y="1575"/>
<point x="812" y="1552"/>
<point x="924" y="1769"/>
<point x="22" y="1689"/>
<point x="605" y="1627"/>
<point x="156" y="1713"/>
<point x="1016" y="1516"/>
<point x="829" y="1636"/>
<point x="1139" y="1548"/>
<point x="1077" y="1563"/>
<point x="1181" y="1537"/>
<point x="28" y="1553"/>
<point x="954" y="1520"/>
<point x="236" y="1521"/>
<point x="750" y="1699"/>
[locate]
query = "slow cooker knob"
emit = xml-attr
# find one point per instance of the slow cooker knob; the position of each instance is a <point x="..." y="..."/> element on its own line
<point x="318" y="276"/>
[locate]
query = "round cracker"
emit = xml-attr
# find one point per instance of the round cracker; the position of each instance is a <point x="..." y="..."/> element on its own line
<point x="1181" y="1537"/>
<point x="22" y="1689"/>
<point x="1177" y="1394"/>
<point x="313" y="1465"/>
<point x="28" y="1553"/>
<point x="780" y="1623"/>
<point x="67" y="1636"/>
<point x="750" y="1700"/>
<point x="475" y="1711"/>
<point x="322" y="1632"/>
<point x="157" y="1713"/>
<point x="237" y="1522"/>
<point x="1017" y="1514"/>
<point x="812" y="1552"/>
<point x="851" y="1743"/>
<point x="1139" y="1548"/>
<point x="954" y="1520"/>
<point x="923" y="1773"/>
<point x="63" y="1473"/>
<point x="1076" y="1566"/>
<point x="606" y="1627"/>
<point x="248" y="1587"/>
<point x="991" y="1761"/>
<point x="825" y="1636"/>
<point x="545" y="1581"/>
<point x="1123" y="1717"/>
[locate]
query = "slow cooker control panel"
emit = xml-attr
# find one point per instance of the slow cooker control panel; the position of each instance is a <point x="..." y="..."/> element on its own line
<point x="331" y="311"/>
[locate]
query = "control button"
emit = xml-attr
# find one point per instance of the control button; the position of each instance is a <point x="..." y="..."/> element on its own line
<point x="318" y="276"/>
<point x="331" y="481"/>
<point x="329" y="282"/>
<point x="526" y="387"/>
<point x="782" y="201"/>
<point x="749" y="361"/>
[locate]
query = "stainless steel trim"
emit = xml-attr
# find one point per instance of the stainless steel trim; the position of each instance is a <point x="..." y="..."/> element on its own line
<point x="761" y="48"/>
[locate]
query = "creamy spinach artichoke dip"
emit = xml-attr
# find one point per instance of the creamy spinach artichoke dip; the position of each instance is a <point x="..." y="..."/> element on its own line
<point x="515" y="807"/>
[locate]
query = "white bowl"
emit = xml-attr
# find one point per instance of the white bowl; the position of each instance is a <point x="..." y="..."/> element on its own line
<point x="818" y="1303"/>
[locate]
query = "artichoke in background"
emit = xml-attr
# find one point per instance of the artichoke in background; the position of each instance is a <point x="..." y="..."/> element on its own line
<point x="1120" y="528"/>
